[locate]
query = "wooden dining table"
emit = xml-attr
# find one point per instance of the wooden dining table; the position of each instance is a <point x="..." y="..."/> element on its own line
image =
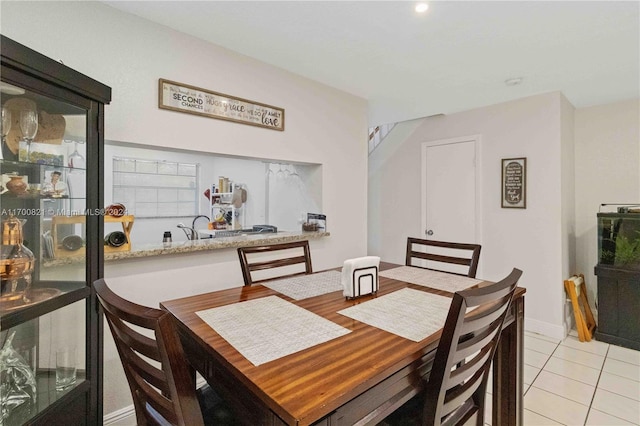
<point x="356" y="379"/>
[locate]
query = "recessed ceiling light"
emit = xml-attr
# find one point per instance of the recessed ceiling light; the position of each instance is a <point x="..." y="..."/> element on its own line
<point x="513" y="81"/>
<point x="422" y="7"/>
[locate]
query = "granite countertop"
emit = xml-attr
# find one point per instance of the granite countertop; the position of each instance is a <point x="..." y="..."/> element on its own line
<point x="148" y="250"/>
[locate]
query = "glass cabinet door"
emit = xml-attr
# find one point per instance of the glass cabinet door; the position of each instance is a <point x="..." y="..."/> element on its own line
<point x="42" y="201"/>
<point x="43" y="360"/>
<point x="43" y="259"/>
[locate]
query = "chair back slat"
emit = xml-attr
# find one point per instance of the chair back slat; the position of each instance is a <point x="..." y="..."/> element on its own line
<point x="152" y="374"/>
<point x="456" y="387"/>
<point x="483" y="319"/>
<point x="163" y="393"/>
<point x="469" y="368"/>
<point x="479" y="340"/>
<point x="455" y="397"/>
<point x="444" y="256"/>
<point x="441" y="258"/>
<point x="160" y="403"/>
<point x="155" y="376"/>
<point x="133" y="339"/>
<point x="252" y="259"/>
<point x="278" y="263"/>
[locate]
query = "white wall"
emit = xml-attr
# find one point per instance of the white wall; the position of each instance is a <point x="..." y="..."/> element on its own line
<point x="323" y="126"/>
<point x="607" y="152"/>
<point x="567" y="176"/>
<point x="577" y="159"/>
<point x="529" y="239"/>
<point x="380" y="210"/>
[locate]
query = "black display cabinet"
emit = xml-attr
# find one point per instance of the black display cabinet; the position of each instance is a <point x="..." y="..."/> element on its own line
<point x="618" y="273"/>
<point x="47" y="306"/>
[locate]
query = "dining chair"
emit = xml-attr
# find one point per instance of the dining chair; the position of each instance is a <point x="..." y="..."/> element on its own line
<point x="454" y="391"/>
<point x="272" y="256"/>
<point x="161" y="380"/>
<point x="444" y="254"/>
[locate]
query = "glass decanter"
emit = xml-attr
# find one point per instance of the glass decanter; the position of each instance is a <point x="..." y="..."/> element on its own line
<point x="17" y="380"/>
<point x="16" y="261"/>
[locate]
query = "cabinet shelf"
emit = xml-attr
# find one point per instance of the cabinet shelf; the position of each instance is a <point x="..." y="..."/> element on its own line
<point x="221" y="205"/>
<point x="29" y="196"/>
<point x="10" y="166"/>
<point x="62" y="252"/>
<point x="48" y="397"/>
<point x="70" y="292"/>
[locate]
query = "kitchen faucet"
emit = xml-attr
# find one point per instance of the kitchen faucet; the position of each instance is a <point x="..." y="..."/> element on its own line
<point x="193" y="223"/>
<point x="189" y="232"/>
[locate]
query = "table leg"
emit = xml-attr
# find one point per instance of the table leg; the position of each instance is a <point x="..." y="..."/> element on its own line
<point x="508" y="371"/>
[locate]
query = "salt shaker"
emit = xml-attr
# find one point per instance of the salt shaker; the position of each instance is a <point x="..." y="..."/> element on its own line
<point x="166" y="239"/>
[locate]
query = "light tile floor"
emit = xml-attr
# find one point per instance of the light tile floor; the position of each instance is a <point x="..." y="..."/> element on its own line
<point x="579" y="383"/>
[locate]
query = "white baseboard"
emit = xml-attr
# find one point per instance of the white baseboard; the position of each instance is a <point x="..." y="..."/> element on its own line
<point x="123" y="417"/>
<point x="551" y="330"/>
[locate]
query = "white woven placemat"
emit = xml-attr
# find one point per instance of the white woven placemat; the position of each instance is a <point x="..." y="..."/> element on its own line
<point x="269" y="328"/>
<point x="305" y="286"/>
<point x="428" y="278"/>
<point x="408" y="313"/>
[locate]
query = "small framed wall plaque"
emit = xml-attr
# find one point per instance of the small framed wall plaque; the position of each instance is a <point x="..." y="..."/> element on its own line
<point x="514" y="183"/>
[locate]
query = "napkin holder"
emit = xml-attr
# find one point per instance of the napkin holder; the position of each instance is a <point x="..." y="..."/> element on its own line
<point x="360" y="276"/>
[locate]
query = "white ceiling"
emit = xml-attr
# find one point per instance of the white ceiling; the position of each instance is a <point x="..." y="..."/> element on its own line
<point x="455" y="57"/>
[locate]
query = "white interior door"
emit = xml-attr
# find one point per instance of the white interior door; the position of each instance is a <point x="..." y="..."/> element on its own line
<point x="450" y="191"/>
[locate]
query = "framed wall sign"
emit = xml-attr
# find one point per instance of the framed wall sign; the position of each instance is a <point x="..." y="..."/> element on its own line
<point x="514" y="183"/>
<point x="194" y="100"/>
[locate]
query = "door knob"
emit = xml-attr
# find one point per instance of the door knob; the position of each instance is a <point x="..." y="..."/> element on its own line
<point x="429" y="232"/>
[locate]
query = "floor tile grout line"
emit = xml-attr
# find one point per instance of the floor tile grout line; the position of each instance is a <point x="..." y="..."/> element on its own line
<point x="619" y="394"/>
<point x="568" y="399"/>
<point x="564" y="397"/>
<point x="611" y="415"/>
<point x="571" y="378"/>
<point x="538" y="352"/>
<point x="582" y="350"/>
<point x="595" y="389"/>
<point x="582" y="364"/>
<point x="543" y="365"/>
<point x="572" y="362"/>
<point x="545" y="341"/>
<point x="624" y="362"/>
<point x="618" y="375"/>
<point x="534" y="380"/>
<point x="546" y="417"/>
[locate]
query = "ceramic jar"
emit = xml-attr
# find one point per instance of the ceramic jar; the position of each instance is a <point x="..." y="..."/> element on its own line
<point x="16" y="185"/>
